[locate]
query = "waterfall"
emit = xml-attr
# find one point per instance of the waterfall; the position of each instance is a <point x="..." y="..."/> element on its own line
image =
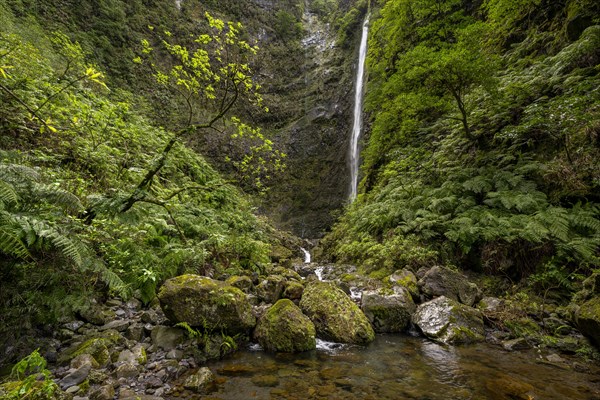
<point x="358" y="99"/>
<point x="306" y="255"/>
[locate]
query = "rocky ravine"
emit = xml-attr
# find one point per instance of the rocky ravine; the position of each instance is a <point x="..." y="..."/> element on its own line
<point x="124" y="350"/>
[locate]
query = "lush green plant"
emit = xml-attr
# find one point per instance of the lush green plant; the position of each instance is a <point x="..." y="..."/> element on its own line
<point x="32" y="380"/>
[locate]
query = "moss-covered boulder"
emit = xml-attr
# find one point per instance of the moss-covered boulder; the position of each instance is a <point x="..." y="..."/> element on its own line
<point x="447" y="321"/>
<point x="284" y="328"/>
<point x="335" y="315"/>
<point x="293" y="290"/>
<point x="388" y="310"/>
<point x="270" y="289"/>
<point x="205" y="302"/>
<point x="99" y="348"/>
<point x="406" y="279"/>
<point x="243" y="282"/>
<point x="588" y="319"/>
<point x="442" y="281"/>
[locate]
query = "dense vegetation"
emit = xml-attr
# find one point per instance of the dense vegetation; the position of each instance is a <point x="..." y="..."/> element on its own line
<point x="100" y="191"/>
<point x="484" y="144"/>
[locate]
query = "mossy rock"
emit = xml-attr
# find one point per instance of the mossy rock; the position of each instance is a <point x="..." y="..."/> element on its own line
<point x="447" y="321"/>
<point x="270" y="289"/>
<point x="205" y="302"/>
<point x="243" y="282"/>
<point x="293" y="290"/>
<point x="406" y="279"/>
<point x="588" y="319"/>
<point x="388" y="312"/>
<point x="442" y="281"/>
<point x="335" y="315"/>
<point x="284" y="328"/>
<point x="98" y="348"/>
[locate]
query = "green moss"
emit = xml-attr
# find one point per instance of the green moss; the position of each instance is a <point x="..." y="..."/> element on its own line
<point x="284" y="328"/>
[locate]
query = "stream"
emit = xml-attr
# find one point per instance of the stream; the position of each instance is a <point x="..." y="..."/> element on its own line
<point x="401" y="367"/>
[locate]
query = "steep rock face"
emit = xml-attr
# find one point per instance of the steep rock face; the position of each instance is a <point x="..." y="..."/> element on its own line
<point x="447" y="321"/>
<point x="204" y="302"/>
<point x="284" y="328"/>
<point x="335" y="315"/>
<point x="317" y="95"/>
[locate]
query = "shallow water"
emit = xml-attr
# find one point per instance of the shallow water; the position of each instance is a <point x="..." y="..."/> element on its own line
<point x="400" y="367"/>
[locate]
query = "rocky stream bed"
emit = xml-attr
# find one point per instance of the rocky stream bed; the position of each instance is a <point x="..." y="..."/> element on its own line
<point x="295" y="336"/>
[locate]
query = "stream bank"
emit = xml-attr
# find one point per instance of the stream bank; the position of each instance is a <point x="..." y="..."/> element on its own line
<point x="125" y="350"/>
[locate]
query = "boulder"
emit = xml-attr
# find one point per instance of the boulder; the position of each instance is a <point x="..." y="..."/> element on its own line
<point x="270" y="289"/>
<point x="243" y="282"/>
<point x="201" y="381"/>
<point x="405" y="278"/>
<point x="207" y="303"/>
<point x="98" y="348"/>
<point x="447" y="321"/>
<point x="166" y="337"/>
<point x="284" y="328"/>
<point x="441" y="281"/>
<point x="335" y="315"/>
<point x="97" y="315"/>
<point x="293" y="290"/>
<point x="388" y="310"/>
<point x="588" y="319"/>
<point x="75" y="377"/>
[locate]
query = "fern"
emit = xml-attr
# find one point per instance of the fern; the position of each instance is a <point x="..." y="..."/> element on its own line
<point x="8" y="194"/>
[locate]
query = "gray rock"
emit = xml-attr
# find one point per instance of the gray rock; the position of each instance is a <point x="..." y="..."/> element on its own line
<point x="120" y="325"/>
<point x="201" y="381"/>
<point x="175" y="354"/>
<point x="516" y="344"/>
<point x="75" y="377"/>
<point x="73" y="389"/>
<point x="167" y="338"/>
<point x="83" y="359"/>
<point x="490" y="305"/>
<point x="150" y="316"/>
<point x="104" y="392"/>
<point x="127" y="370"/>
<point x="441" y="281"/>
<point x="97" y="315"/>
<point x="73" y="326"/>
<point x="447" y="321"/>
<point x="388" y="311"/>
<point x="135" y="332"/>
<point x="405" y="278"/>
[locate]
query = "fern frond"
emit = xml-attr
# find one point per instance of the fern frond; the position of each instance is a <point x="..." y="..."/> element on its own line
<point x="11" y="244"/>
<point x="59" y="197"/>
<point x="12" y="172"/>
<point x="7" y="193"/>
<point x="113" y="281"/>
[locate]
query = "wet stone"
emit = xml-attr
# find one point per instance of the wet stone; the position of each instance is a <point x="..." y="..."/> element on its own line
<point x="119" y="325"/>
<point x="265" y="380"/>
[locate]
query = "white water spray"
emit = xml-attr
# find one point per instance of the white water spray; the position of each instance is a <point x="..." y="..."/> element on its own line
<point x="358" y="99"/>
<point x="306" y="255"/>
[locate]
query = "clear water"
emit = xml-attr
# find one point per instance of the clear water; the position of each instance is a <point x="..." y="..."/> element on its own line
<point x="400" y="367"/>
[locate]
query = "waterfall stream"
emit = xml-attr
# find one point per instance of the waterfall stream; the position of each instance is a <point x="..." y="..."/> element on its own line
<point x="306" y="255"/>
<point x="358" y="100"/>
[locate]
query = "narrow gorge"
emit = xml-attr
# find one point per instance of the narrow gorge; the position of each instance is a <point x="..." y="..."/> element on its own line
<point x="299" y="199"/>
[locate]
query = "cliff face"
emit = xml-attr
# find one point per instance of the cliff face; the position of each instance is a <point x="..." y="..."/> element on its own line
<point x="316" y="136"/>
<point x="307" y="65"/>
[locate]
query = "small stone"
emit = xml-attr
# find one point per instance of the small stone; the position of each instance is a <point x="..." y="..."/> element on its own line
<point x="119" y="325"/>
<point x="72" y="389"/>
<point x="83" y="359"/>
<point x="75" y="377"/>
<point x="175" y="354"/>
<point x="201" y="381"/>
<point x="73" y="326"/>
<point x="265" y="380"/>
<point x="126" y="370"/>
<point x="167" y="338"/>
<point x="120" y="312"/>
<point x="516" y="344"/>
<point x="134" y="304"/>
<point x="114" y="303"/>
<point x="149" y="316"/>
<point x="555" y="358"/>
<point x="135" y="332"/>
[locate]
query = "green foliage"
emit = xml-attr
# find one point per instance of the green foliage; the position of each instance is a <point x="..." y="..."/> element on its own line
<point x="471" y="164"/>
<point x="79" y="151"/>
<point x="33" y="379"/>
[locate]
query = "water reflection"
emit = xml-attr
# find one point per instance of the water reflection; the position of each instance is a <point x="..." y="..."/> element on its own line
<point x="399" y="367"/>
